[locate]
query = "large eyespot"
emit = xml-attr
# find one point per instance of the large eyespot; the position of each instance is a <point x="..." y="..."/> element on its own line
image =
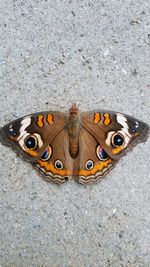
<point x="47" y="154"/>
<point x="101" y="153"/>
<point x="117" y="140"/>
<point x="58" y="165"/>
<point x="89" y="165"/>
<point x="31" y="142"/>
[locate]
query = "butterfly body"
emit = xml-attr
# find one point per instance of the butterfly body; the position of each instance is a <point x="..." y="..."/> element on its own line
<point x="73" y="131"/>
<point x="85" y="146"/>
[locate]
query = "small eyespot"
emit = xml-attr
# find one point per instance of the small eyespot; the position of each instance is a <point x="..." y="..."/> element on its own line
<point x="133" y="130"/>
<point x="11" y="131"/>
<point x="135" y="127"/>
<point x="58" y="165"/>
<point x="31" y="142"/>
<point x="117" y="140"/>
<point x="89" y="165"/>
<point x="47" y="154"/>
<point x="101" y="153"/>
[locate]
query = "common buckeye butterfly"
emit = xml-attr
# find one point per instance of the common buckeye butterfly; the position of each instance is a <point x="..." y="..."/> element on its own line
<point x="85" y="146"/>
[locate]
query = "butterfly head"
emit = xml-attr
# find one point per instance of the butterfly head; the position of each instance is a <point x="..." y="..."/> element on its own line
<point x="74" y="109"/>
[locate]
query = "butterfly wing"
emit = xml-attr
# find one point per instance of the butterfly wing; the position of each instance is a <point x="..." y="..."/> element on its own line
<point x="116" y="132"/>
<point x="31" y="134"/>
<point x="56" y="163"/>
<point x="92" y="163"/>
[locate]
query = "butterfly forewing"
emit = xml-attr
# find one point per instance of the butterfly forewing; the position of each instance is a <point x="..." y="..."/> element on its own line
<point x="116" y="132"/>
<point x="30" y="135"/>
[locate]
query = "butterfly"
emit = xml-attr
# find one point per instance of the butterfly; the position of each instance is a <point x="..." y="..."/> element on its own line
<point x="84" y="146"/>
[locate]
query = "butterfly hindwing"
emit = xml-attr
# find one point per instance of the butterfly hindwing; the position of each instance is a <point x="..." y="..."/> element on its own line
<point x="56" y="163"/>
<point x="92" y="163"/>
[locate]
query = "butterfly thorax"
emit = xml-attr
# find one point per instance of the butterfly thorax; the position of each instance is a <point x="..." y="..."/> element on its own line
<point x="73" y="130"/>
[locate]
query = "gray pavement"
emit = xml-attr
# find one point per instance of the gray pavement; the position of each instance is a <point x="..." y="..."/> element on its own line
<point x="94" y="53"/>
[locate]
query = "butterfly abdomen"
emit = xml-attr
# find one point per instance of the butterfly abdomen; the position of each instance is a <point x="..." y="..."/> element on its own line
<point x="73" y="148"/>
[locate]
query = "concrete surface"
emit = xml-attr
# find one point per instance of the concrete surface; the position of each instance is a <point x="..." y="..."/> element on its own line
<point x="95" y="53"/>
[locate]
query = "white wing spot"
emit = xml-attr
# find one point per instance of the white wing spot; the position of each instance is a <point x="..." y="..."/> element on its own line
<point x="24" y="124"/>
<point x="108" y="139"/>
<point x="123" y="121"/>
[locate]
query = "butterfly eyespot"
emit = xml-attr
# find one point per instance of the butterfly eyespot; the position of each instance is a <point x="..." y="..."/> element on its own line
<point x="89" y="165"/>
<point x="58" y="165"/>
<point x="31" y="142"/>
<point x="47" y="154"/>
<point x="101" y="154"/>
<point x="135" y="127"/>
<point x="133" y="130"/>
<point x="11" y="131"/>
<point x="117" y="140"/>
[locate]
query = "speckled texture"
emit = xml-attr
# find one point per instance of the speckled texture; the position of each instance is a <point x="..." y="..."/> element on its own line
<point x="95" y="53"/>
